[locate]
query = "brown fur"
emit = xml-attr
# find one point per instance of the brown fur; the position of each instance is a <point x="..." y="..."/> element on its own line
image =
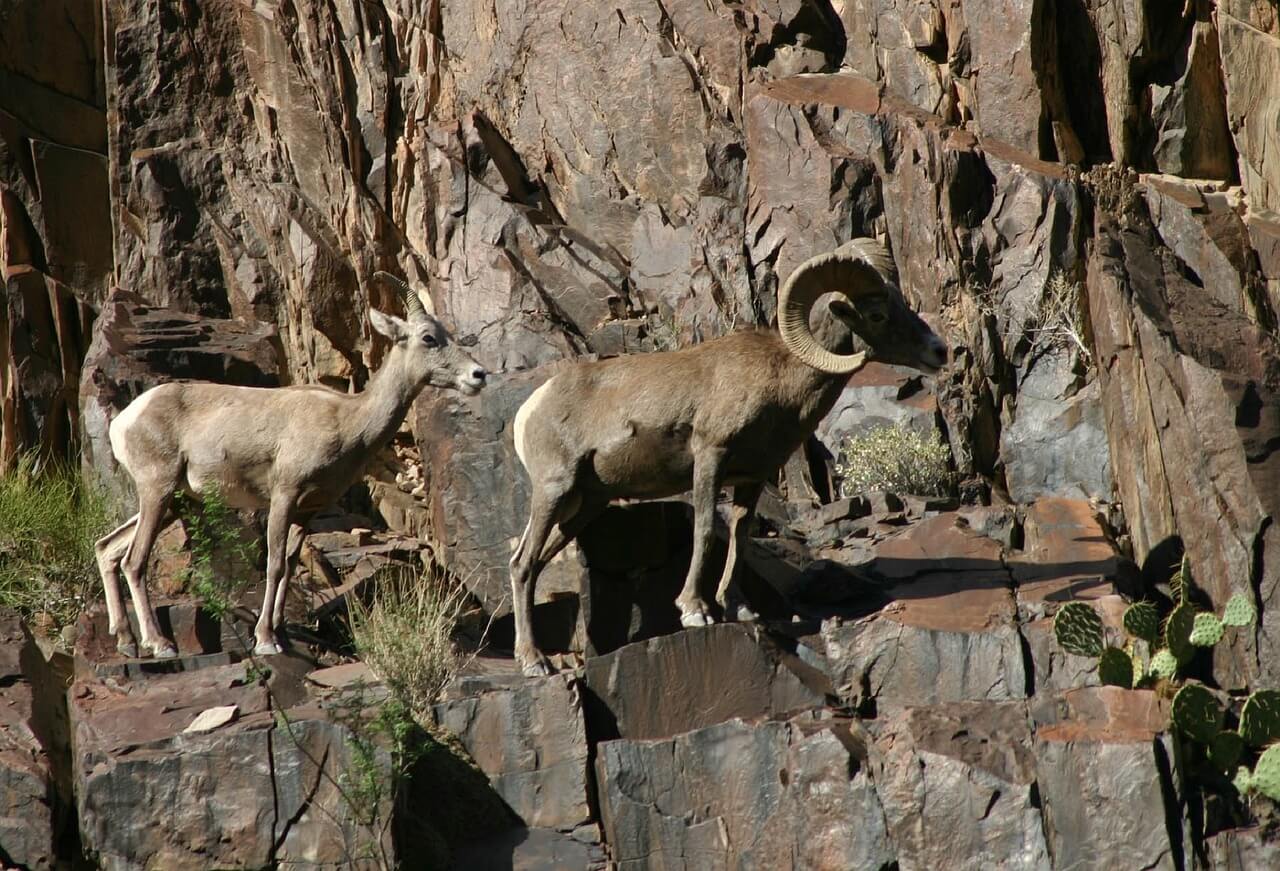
<point x="727" y="412"/>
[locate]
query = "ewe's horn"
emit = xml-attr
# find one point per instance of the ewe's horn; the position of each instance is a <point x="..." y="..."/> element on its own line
<point x="412" y="304"/>
<point x="854" y="269"/>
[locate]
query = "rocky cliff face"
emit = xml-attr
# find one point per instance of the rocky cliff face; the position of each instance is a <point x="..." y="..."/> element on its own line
<point x="214" y="185"/>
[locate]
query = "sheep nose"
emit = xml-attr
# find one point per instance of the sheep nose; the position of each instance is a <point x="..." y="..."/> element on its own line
<point x="479" y="374"/>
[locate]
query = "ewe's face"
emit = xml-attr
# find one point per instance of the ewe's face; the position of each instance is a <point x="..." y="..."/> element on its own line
<point x="891" y="331"/>
<point x="431" y="355"/>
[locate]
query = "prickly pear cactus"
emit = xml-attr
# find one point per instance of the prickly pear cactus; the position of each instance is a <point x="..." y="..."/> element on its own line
<point x="1196" y="713"/>
<point x="1164" y="665"/>
<point x="1239" y="611"/>
<point x="1260" y="718"/>
<point x="1078" y="629"/>
<point x="1115" y="668"/>
<point x="1180" y="583"/>
<point x="1206" y="630"/>
<point x="1177" y="633"/>
<point x="1225" y="750"/>
<point x="1243" y="781"/>
<point x="1266" y="774"/>
<point x="1142" y="620"/>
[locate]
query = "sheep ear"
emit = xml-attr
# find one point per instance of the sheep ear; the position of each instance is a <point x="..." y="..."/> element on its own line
<point x="389" y="325"/>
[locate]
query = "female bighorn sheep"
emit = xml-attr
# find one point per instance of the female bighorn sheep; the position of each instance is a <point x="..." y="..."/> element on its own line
<point x="291" y="450"/>
<point x="727" y="412"/>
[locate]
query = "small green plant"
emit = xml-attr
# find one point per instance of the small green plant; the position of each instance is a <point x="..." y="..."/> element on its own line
<point x="405" y="635"/>
<point x="49" y="520"/>
<point x="897" y="459"/>
<point x="220" y="552"/>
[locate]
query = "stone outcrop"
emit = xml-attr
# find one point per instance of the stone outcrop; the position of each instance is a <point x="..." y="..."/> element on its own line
<point x="205" y="191"/>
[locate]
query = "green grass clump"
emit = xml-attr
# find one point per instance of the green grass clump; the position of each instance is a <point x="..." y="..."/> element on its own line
<point x="49" y="519"/>
<point x="896" y="459"/>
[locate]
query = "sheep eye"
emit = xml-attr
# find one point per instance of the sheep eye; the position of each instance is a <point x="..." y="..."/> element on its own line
<point x="429" y="340"/>
<point x="877" y="317"/>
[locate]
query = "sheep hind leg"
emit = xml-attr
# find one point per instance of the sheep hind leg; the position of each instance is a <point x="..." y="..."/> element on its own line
<point x="729" y="594"/>
<point x="278" y="523"/>
<point x="109" y="552"/>
<point x="526" y="564"/>
<point x="152" y="514"/>
<point x="694" y="610"/>
<point x="296" y="533"/>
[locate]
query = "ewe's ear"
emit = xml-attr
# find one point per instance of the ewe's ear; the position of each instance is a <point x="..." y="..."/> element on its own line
<point x="840" y="307"/>
<point x="389" y="325"/>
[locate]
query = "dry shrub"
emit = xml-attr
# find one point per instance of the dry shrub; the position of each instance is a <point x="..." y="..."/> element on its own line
<point x="896" y="459"/>
<point x="405" y="635"/>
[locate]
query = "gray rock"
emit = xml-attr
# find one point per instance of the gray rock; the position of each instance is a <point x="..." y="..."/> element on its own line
<point x="694" y="679"/>
<point x="795" y="795"/>
<point x="529" y="738"/>
<point x="1056" y="444"/>
<point x="965" y="769"/>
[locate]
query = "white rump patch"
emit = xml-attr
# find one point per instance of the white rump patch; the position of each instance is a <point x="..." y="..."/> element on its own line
<point x="529" y="407"/>
<point x="124" y="421"/>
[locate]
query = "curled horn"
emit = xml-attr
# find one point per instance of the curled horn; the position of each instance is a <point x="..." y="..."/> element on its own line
<point x="412" y="304"/>
<point x="854" y="269"/>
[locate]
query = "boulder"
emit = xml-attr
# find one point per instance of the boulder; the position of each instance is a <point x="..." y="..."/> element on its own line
<point x="795" y="795"/>
<point x="694" y="679"/>
<point x="958" y="786"/>
<point x="1105" y="777"/>
<point x="529" y="738"/>
<point x="31" y="814"/>
<point x="260" y="790"/>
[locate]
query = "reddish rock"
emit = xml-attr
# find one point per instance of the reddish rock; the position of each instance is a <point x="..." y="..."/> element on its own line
<point x="1105" y="775"/>
<point x="965" y="769"/>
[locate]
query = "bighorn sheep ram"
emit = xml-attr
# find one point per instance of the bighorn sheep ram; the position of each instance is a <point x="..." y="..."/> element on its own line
<point x="726" y="412"/>
<point x="291" y="450"/>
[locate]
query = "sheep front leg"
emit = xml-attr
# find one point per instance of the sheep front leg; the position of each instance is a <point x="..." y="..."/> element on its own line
<point x="729" y="594"/>
<point x="294" y="547"/>
<point x="525" y="566"/>
<point x="278" y="521"/>
<point x="706" y="480"/>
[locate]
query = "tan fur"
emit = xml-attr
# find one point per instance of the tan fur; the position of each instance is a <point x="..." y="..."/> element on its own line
<point x="291" y="450"/>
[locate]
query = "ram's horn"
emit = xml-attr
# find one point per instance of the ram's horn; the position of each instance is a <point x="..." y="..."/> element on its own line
<point x="412" y="303"/>
<point x="855" y="269"/>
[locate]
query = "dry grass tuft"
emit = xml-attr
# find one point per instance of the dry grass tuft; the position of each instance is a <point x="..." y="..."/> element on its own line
<point x="405" y="635"/>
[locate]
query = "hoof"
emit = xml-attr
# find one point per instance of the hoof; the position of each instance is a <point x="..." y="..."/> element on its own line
<point x="696" y="618"/>
<point x="127" y="649"/>
<point x="267" y="648"/>
<point x="164" y="650"/>
<point x="739" y="612"/>
<point x="540" y="667"/>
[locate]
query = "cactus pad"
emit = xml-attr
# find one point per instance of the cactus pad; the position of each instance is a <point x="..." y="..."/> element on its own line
<point x="1206" y="630"/>
<point x="1197" y="713"/>
<point x="1260" y="718"/>
<point x="1164" y="665"/>
<point x="1243" y="781"/>
<point x="1115" y="668"/>
<point x="1177" y="632"/>
<point x="1142" y="620"/>
<point x="1225" y="750"/>
<point x="1180" y="583"/>
<point x="1239" y="611"/>
<point x="1078" y="629"/>
<point x="1266" y="774"/>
